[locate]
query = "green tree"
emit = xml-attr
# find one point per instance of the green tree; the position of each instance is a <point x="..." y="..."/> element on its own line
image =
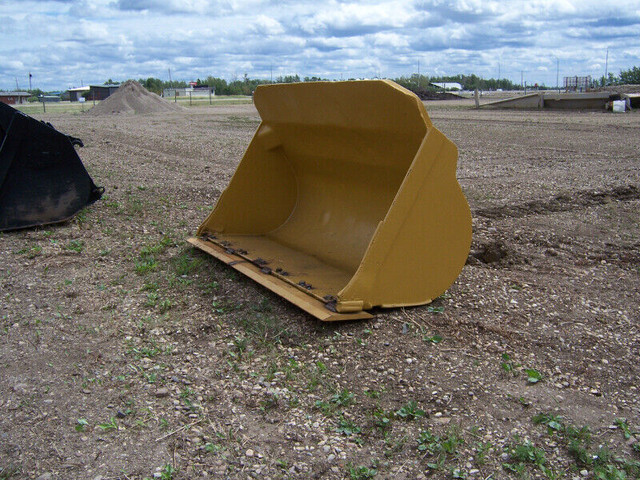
<point x="630" y="77"/>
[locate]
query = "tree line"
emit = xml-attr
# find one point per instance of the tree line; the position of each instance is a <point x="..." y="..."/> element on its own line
<point x="416" y="83"/>
<point x="246" y="85"/>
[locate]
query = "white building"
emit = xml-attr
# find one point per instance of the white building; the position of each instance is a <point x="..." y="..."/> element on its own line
<point x="188" y="91"/>
<point x="76" y="93"/>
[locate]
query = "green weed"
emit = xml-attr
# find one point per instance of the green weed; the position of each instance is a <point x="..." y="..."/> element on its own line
<point x="507" y="365"/>
<point x="435" y="339"/>
<point x="410" y="411"/>
<point x="533" y="375"/>
<point x="382" y="418"/>
<point x="110" y="425"/>
<point x="361" y="472"/>
<point x="167" y="472"/>
<point x="81" y="424"/>
<point x="347" y="427"/>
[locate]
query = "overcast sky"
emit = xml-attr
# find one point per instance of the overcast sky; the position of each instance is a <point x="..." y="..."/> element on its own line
<point x="66" y="43"/>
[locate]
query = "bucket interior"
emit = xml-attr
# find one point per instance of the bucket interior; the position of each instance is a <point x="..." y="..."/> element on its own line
<point x="312" y="188"/>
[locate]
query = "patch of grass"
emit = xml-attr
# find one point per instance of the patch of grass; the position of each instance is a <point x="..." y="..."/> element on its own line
<point x="150" y="350"/>
<point x="158" y="247"/>
<point x="482" y="449"/>
<point x="152" y="299"/>
<point x="315" y="375"/>
<point x="166" y="305"/>
<point x="432" y="309"/>
<point x="150" y="286"/>
<point x="332" y="405"/>
<point x="135" y="206"/>
<point x="210" y="287"/>
<point x="186" y="264"/>
<point x="10" y="471"/>
<point x="440" y="448"/>
<point x="625" y="427"/>
<point x="271" y="402"/>
<point x="146" y="262"/>
<point x="371" y="393"/>
<point x="31" y="252"/>
<point x="343" y="398"/>
<point x="145" y="265"/>
<point x="577" y="440"/>
<point x="265" y="328"/>
<point x="524" y="455"/>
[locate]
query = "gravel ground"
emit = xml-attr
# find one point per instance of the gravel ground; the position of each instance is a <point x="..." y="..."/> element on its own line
<point x="127" y="354"/>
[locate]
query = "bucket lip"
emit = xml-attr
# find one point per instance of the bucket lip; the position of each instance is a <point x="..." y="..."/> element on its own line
<point x="392" y="88"/>
<point x="306" y="302"/>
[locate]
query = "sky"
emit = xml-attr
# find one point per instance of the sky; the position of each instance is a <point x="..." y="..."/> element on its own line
<point x="70" y="43"/>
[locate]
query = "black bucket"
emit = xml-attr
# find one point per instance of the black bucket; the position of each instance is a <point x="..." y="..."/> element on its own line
<point x="42" y="179"/>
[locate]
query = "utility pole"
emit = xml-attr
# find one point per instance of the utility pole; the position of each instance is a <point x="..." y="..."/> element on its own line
<point x="606" y="67"/>
<point x="30" y="80"/>
<point x="558" y="74"/>
<point x="170" y="83"/>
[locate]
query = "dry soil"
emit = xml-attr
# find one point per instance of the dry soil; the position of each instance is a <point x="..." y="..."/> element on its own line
<point x="127" y="354"/>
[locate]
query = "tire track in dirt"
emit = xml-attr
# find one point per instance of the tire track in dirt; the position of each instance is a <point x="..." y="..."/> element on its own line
<point x="561" y="203"/>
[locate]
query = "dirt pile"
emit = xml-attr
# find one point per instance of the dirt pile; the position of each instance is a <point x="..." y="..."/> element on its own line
<point x="132" y="97"/>
<point x="623" y="88"/>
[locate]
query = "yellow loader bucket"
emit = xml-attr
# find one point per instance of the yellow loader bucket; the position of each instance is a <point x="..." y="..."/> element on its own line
<point x="346" y="199"/>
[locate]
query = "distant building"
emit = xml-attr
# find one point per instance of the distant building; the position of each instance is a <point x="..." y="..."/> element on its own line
<point x="100" y="92"/>
<point x="14" y="98"/>
<point x="577" y="84"/>
<point x="194" y="91"/>
<point x="448" y="85"/>
<point x="50" y="98"/>
<point x="76" y="93"/>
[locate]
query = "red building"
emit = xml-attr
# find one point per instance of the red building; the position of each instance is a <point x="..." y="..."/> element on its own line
<point x="14" y="98"/>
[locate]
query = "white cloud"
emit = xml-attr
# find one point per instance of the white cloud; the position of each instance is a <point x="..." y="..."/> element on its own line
<point x="267" y="26"/>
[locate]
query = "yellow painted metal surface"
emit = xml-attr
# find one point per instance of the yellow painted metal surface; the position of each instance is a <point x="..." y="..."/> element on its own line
<point x="346" y="199"/>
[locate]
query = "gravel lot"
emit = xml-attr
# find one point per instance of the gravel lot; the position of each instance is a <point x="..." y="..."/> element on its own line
<point x="127" y="354"/>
